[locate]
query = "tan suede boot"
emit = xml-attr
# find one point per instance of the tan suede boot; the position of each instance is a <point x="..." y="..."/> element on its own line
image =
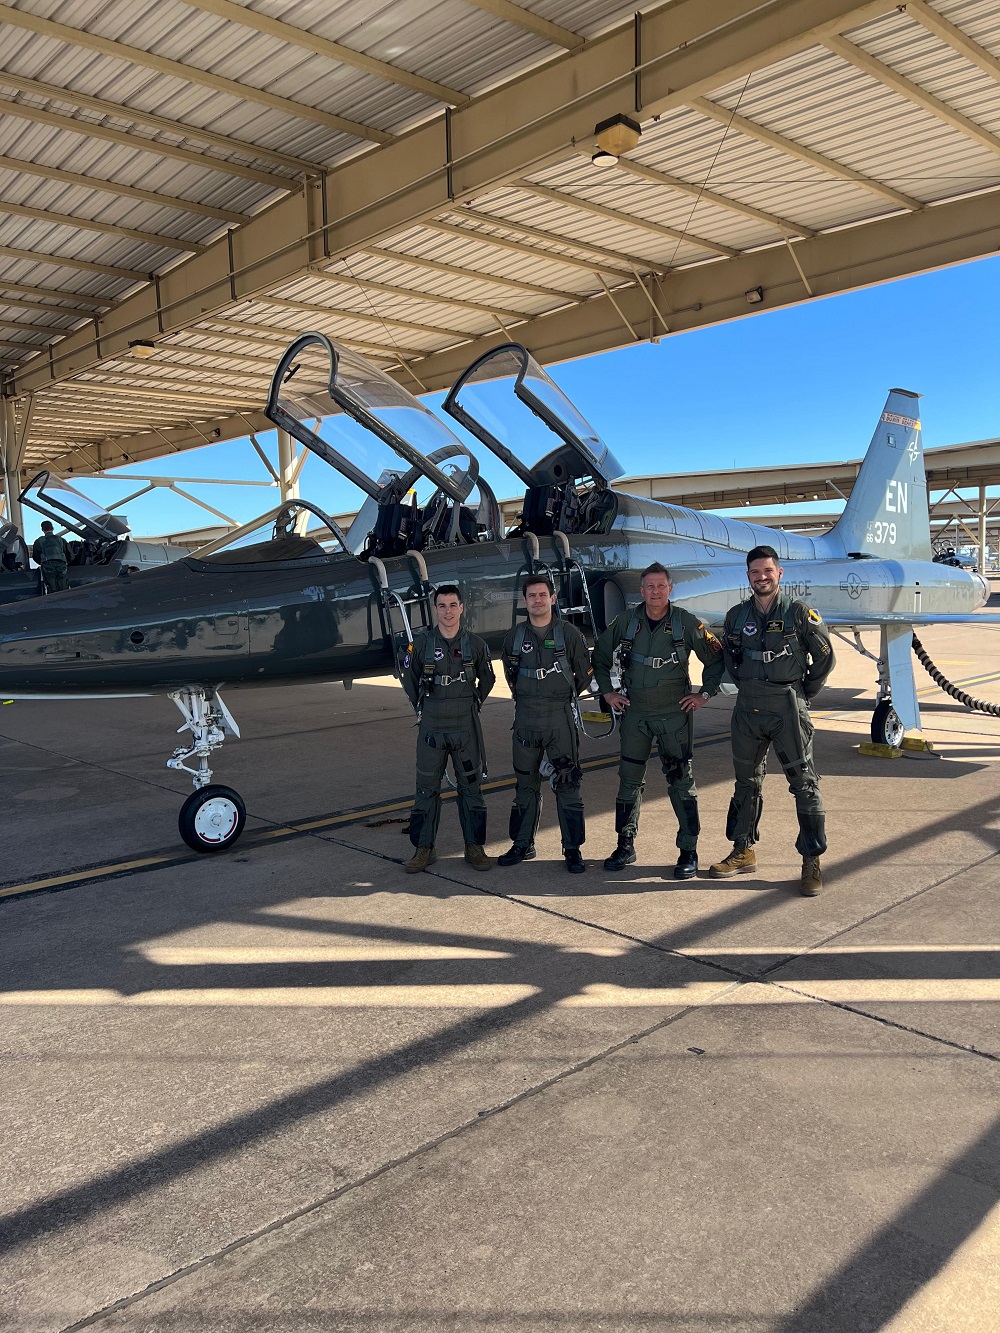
<point x="476" y="857"/>
<point x="812" y="877"/>
<point x="422" y="858"/>
<point x="742" y="862"/>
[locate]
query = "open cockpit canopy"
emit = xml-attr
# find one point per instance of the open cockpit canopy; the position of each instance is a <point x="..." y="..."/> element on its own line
<point x="71" y="510"/>
<point x="416" y="474"/>
<point x="295" y="530"/>
<point x="489" y="399"/>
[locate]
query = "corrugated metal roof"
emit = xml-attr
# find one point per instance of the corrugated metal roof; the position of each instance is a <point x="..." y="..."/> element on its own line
<point x="505" y="257"/>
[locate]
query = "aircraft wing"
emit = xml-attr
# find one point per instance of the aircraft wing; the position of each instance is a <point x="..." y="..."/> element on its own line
<point x="873" y="619"/>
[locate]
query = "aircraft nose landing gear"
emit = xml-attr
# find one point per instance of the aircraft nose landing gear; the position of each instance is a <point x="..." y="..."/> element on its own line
<point x="213" y="816"/>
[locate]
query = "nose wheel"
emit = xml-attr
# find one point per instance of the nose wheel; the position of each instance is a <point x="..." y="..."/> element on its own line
<point x="886" y="726"/>
<point x="212" y="819"/>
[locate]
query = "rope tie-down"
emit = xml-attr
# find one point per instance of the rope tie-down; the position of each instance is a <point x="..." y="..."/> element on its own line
<point x="976" y="705"/>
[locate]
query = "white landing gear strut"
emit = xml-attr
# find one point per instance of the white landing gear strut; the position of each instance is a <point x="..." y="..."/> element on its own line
<point x="212" y="817"/>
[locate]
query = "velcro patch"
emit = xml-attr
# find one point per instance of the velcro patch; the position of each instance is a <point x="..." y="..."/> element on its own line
<point x="815" y="616"/>
<point x="775" y="626"/>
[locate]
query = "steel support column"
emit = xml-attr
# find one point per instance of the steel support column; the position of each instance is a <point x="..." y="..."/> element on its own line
<point x="12" y="452"/>
<point x="983" y="546"/>
<point x="288" y="479"/>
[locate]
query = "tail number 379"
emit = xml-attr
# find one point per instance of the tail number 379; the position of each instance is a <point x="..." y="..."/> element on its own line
<point x="881" y="534"/>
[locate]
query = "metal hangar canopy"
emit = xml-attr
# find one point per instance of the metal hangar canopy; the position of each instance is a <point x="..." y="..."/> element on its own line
<point x="187" y="184"/>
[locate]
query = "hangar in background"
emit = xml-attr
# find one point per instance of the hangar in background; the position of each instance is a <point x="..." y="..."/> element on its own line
<point x="179" y="197"/>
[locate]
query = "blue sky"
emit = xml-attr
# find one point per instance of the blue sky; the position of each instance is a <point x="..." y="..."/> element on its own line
<point x="802" y="384"/>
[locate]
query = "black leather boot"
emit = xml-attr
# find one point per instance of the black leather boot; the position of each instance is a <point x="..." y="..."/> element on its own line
<point x="574" y="861"/>
<point x="622" y="856"/>
<point x="687" y="865"/>
<point x="516" y="855"/>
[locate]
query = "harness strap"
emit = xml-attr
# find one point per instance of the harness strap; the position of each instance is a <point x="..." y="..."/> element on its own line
<point x="561" y="662"/>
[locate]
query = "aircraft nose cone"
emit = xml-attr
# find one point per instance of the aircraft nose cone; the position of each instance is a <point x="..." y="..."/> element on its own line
<point x="984" y="584"/>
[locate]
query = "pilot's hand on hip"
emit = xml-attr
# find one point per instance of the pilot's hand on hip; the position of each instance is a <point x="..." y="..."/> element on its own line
<point x="690" y="703"/>
<point x="617" y="701"/>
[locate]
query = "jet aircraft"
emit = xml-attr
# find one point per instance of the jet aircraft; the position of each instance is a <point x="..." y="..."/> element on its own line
<point x="292" y="596"/>
<point x="100" y="544"/>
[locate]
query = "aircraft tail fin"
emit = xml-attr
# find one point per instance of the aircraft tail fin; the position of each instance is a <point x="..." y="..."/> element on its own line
<point x="887" y="513"/>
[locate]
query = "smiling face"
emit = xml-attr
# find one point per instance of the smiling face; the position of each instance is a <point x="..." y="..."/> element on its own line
<point x="449" y="610"/>
<point x="656" y="590"/>
<point x="539" y="601"/>
<point x="764" y="575"/>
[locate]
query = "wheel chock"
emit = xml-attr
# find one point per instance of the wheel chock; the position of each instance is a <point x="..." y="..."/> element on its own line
<point x="877" y="751"/>
<point x="917" y="743"/>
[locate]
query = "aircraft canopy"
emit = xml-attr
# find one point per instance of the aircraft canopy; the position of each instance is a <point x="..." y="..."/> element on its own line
<point x="489" y="398"/>
<point x="59" y="501"/>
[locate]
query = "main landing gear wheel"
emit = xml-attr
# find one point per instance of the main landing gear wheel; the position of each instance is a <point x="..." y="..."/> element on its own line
<point x="886" y="726"/>
<point x="212" y="818"/>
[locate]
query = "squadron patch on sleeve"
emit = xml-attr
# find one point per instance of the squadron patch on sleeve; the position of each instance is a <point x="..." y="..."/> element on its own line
<point x="815" y="616"/>
<point x="713" y="643"/>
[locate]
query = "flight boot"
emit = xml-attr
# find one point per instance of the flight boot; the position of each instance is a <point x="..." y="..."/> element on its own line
<point x="476" y="857"/>
<point x="421" y="859"/>
<point x="687" y="865"/>
<point x="574" y="861"/>
<point x="740" y="861"/>
<point x="516" y="855"/>
<point x="812" y="877"/>
<point x="622" y="856"/>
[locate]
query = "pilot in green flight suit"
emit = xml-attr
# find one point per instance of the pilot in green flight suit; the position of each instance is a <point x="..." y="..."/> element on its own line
<point x="51" y="554"/>
<point x="447" y="676"/>
<point x="656" y="703"/>
<point x="778" y="652"/>
<point x="547" y="666"/>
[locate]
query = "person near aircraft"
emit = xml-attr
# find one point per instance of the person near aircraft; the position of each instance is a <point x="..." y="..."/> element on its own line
<point x="778" y="652"/>
<point x="447" y="676"/>
<point x="51" y="554"/>
<point x="546" y="664"/>
<point x="657" y="704"/>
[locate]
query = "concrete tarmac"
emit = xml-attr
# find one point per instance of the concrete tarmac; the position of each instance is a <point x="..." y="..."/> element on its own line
<point x="291" y="1088"/>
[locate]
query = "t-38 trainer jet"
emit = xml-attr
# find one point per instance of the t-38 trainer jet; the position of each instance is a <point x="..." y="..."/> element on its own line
<point x="293" y="596"/>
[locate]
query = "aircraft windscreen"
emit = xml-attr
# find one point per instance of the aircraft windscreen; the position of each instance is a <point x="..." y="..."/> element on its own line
<point x="57" y="500"/>
<point x="294" y="531"/>
<point x="369" y="422"/>
<point x="490" y="398"/>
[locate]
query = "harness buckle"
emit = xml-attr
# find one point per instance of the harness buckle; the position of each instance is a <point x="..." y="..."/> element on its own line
<point x="657" y="662"/>
<point x="769" y="656"/>
<point x="451" y="680"/>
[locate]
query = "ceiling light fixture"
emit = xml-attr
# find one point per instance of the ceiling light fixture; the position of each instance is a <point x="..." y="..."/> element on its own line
<point x="615" y="136"/>
<point x="142" y="348"/>
<point x="755" y="296"/>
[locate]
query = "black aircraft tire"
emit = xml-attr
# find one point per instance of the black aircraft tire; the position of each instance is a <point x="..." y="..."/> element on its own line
<point x="212" y="819"/>
<point x="886" y="726"/>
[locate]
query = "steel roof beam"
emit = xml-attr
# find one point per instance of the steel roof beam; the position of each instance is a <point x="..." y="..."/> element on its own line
<point x="624" y="219"/>
<point x="66" y="261"/>
<point x="953" y="36"/>
<point x="88" y="303"/>
<point x="338" y="312"/>
<point x="322" y="46"/>
<point x="127" y="191"/>
<point x="836" y="261"/>
<point x="522" y="125"/>
<point x="40" y="307"/>
<point x="154" y="443"/>
<point x="524" y="18"/>
<point x="601" y="253"/>
<point x="456" y="270"/>
<point x="706" y="196"/>
<point x="891" y="78"/>
<point x="753" y="130"/>
<point x="242" y="330"/>
<point x="88" y="130"/>
<point x="162" y="124"/>
<point x="134" y="55"/>
<point x="108" y="228"/>
<point x="414" y="294"/>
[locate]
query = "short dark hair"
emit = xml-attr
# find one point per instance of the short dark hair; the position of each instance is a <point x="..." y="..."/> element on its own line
<point x="537" y="578"/>
<point x="447" y="590"/>
<point x="46" y="526"/>
<point x="654" y="568"/>
<point x="762" y="553"/>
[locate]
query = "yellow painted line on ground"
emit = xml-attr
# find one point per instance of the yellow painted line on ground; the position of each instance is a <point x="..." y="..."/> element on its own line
<point x="53" y="881"/>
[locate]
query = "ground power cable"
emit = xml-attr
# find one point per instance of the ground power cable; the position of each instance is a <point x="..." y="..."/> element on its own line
<point x="975" y="705"/>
